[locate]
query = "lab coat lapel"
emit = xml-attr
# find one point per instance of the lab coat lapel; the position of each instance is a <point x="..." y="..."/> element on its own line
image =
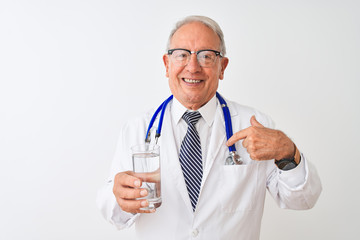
<point x="217" y="150"/>
<point x="170" y="155"/>
<point x="216" y="141"/>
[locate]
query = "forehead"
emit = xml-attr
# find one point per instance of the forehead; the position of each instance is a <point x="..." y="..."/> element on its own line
<point x="195" y="36"/>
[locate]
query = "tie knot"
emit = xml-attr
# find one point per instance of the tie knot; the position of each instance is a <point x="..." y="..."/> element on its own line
<point x="191" y="117"/>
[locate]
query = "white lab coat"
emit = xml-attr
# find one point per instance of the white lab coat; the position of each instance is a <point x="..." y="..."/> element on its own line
<point x="231" y="201"/>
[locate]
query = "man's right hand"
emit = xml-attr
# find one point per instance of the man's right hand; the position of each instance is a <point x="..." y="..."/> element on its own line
<point x="126" y="189"/>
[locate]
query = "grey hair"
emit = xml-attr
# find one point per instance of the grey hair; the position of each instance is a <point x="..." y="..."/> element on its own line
<point x="204" y="20"/>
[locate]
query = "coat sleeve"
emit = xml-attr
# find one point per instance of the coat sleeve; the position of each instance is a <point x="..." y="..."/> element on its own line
<point x="298" y="188"/>
<point x="110" y="209"/>
<point x="131" y="133"/>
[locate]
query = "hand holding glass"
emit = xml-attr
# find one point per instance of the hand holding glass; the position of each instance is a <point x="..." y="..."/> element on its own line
<point x="146" y="166"/>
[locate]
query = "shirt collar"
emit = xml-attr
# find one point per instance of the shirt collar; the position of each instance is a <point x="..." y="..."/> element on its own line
<point x="207" y="111"/>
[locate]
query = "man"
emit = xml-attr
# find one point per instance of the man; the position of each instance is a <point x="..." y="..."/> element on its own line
<point x="230" y="202"/>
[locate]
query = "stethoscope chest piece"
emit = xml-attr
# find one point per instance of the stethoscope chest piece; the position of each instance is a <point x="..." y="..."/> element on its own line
<point x="233" y="159"/>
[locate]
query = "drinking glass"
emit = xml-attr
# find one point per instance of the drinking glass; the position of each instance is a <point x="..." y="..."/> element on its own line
<point x="146" y="166"/>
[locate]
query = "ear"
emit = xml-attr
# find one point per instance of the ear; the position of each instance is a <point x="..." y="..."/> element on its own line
<point x="166" y="63"/>
<point x="224" y="63"/>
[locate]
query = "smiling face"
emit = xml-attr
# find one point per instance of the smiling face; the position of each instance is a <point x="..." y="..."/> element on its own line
<point x="193" y="85"/>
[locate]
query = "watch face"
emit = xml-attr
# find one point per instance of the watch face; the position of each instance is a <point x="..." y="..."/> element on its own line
<point x="282" y="164"/>
<point x="289" y="166"/>
<point x="286" y="164"/>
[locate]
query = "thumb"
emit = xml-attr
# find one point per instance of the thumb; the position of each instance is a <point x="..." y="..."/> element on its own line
<point x="254" y="122"/>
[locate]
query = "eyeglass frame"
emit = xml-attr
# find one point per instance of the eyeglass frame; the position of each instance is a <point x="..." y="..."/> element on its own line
<point x="217" y="53"/>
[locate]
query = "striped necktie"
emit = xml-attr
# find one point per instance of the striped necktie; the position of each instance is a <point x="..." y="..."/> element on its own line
<point x="190" y="157"/>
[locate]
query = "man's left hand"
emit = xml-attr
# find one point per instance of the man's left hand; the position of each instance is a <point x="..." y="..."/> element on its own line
<point x="264" y="143"/>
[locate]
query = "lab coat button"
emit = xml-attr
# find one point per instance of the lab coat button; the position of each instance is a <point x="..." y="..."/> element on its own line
<point x="195" y="232"/>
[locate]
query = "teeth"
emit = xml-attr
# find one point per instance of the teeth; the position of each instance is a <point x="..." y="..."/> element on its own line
<point x="191" y="80"/>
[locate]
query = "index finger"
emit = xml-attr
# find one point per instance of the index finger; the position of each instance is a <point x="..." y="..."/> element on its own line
<point x="242" y="134"/>
<point x="127" y="179"/>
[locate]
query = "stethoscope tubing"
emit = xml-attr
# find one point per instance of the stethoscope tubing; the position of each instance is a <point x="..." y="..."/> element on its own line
<point x="227" y="119"/>
<point x="162" y="107"/>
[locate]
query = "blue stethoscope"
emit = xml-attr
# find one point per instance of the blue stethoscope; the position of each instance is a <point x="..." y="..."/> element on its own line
<point x="232" y="159"/>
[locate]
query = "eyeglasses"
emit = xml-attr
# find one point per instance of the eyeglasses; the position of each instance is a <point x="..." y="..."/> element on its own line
<point x="181" y="57"/>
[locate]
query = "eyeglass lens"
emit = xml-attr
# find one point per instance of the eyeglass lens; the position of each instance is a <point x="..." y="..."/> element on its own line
<point x="182" y="57"/>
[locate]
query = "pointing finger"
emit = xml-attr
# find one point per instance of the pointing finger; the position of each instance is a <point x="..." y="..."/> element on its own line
<point x="237" y="136"/>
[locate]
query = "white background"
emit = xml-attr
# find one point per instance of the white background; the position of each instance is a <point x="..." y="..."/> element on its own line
<point x="72" y="71"/>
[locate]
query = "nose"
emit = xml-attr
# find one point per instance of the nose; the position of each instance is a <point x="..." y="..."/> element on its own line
<point x="193" y="64"/>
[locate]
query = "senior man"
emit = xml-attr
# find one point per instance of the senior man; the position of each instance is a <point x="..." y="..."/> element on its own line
<point x="230" y="200"/>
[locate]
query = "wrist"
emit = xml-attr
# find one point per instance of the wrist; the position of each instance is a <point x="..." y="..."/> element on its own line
<point x="289" y="163"/>
<point x="297" y="157"/>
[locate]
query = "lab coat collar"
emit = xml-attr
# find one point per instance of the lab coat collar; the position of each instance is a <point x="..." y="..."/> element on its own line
<point x="207" y="111"/>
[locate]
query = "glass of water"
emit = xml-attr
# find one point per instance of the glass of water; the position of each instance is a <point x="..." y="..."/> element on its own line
<point x="146" y="166"/>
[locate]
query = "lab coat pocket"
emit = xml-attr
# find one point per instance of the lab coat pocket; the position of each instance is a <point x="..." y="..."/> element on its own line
<point x="238" y="187"/>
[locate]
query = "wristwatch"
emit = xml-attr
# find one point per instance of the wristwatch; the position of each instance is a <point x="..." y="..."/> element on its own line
<point x="289" y="163"/>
